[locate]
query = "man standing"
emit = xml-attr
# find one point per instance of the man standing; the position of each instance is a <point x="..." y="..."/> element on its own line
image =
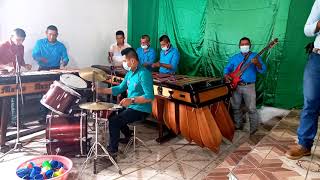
<point x="49" y="52"/>
<point x="139" y="84"/>
<point x="114" y="55"/>
<point x="311" y="83"/>
<point x="146" y="54"/>
<point x="169" y="57"/>
<point x="10" y="52"/>
<point x="246" y="88"/>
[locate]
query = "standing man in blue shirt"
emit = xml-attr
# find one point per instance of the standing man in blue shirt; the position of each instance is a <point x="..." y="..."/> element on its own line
<point x="308" y="126"/>
<point x="49" y="52"/>
<point x="169" y="57"/>
<point x="246" y="88"/>
<point x="139" y="84"/>
<point x="146" y="54"/>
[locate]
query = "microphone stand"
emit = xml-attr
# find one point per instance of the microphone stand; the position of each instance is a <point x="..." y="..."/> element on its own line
<point x="18" y="145"/>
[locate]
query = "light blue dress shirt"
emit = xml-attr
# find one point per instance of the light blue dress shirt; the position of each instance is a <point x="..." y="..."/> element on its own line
<point x="172" y="57"/>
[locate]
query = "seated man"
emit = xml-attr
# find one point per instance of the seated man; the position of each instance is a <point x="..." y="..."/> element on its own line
<point x="49" y="52"/>
<point x="115" y="57"/>
<point x="146" y="54"/>
<point x="139" y="84"/>
<point x="169" y="57"/>
<point x="246" y="88"/>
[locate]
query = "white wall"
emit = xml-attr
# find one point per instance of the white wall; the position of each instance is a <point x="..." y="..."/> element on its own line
<point x="87" y="28"/>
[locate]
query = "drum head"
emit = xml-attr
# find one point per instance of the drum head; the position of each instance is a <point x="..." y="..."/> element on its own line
<point x="73" y="81"/>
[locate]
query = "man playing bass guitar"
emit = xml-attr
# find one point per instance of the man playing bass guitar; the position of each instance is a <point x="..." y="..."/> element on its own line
<point x="245" y="88"/>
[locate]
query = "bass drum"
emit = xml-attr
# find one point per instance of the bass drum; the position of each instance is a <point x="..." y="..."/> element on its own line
<point x="64" y="135"/>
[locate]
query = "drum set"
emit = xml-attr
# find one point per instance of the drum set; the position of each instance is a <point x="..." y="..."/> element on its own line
<point x="66" y="130"/>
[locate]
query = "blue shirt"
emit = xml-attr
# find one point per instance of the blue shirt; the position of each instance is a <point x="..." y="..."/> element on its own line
<point x="147" y="57"/>
<point x="54" y="53"/>
<point x="249" y="75"/>
<point x="171" y="56"/>
<point x="138" y="83"/>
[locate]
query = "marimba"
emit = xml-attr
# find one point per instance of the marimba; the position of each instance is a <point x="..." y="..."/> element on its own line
<point x="192" y="106"/>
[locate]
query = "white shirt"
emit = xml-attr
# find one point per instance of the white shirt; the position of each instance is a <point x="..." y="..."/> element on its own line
<point x="116" y="50"/>
<point x="311" y="23"/>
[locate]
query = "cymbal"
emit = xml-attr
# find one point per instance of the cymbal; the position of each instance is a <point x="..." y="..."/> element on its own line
<point x="88" y="73"/>
<point x="96" y="106"/>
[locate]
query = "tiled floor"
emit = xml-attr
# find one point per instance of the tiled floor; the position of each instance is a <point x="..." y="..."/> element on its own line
<point x="267" y="159"/>
<point x="176" y="159"/>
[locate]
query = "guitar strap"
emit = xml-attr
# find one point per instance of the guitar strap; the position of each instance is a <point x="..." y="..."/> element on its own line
<point x="245" y="59"/>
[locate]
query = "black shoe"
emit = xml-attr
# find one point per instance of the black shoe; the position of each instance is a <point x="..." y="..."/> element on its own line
<point x="124" y="140"/>
<point x="21" y="126"/>
<point x="253" y="132"/>
<point x="239" y="128"/>
<point x="112" y="152"/>
<point x="42" y="122"/>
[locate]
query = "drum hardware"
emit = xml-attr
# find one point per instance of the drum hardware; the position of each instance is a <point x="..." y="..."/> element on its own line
<point x="93" y="75"/>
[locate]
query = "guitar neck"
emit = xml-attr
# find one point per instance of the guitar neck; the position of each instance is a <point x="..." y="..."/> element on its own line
<point x="259" y="54"/>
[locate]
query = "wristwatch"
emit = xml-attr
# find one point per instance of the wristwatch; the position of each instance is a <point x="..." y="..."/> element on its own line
<point x="132" y="100"/>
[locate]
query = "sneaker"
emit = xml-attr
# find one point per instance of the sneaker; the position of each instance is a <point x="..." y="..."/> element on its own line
<point x="297" y="152"/>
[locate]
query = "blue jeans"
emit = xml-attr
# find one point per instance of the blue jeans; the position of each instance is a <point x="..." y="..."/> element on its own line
<point x="248" y="94"/>
<point x="309" y="116"/>
<point x="118" y="122"/>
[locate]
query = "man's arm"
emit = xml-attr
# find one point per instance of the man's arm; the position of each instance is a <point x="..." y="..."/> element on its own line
<point x="147" y="86"/>
<point x="65" y="58"/>
<point x="312" y="25"/>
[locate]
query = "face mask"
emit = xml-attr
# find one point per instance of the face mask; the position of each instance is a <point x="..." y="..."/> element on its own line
<point x="164" y="48"/>
<point x="144" y="46"/>
<point x="125" y="66"/>
<point x="244" y="49"/>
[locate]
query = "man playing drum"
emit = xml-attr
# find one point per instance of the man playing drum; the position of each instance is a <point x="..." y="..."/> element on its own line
<point x="139" y="84"/>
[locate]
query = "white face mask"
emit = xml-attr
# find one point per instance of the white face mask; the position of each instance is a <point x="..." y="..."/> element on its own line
<point x="144" y="46"/>
<point x="125" y="66"/>
<point x="164" y="48"/>
<point x="244" y="49"/>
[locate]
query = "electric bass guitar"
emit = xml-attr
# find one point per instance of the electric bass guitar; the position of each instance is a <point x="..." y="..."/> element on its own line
<point x="236" y="74"/>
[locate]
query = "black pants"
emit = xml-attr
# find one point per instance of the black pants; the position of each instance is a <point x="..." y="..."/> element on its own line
<point x="118" y="122"/>
<point x="48" y="68"/>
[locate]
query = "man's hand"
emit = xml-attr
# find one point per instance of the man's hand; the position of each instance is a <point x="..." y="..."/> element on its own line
<point x="256" y="62"/>
<point x="155" y="65"/>
<point x="125" y="102"/>
<point x="44" y="60"/>
<point x="27" y="67"/>
<point x="110" y="54"/>
<point x="227" y="78"/>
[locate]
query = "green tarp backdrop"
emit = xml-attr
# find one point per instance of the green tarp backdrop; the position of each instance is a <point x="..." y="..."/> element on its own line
<point x="207" y="33"/>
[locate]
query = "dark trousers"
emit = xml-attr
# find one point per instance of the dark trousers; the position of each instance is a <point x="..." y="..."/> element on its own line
<point x="118" y="122"/>
<point x="48" y="68"/>
<point x="309" y="116"/>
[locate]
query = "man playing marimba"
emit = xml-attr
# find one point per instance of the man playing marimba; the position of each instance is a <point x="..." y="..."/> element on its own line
<point x="10" y="51"/>
<point x="49" y="52"/>
<point x="139" y="84"/>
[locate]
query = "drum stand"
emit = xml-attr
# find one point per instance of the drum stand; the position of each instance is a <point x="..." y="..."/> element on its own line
<point x="93" y="152"/>
<point x="18" y="146"/>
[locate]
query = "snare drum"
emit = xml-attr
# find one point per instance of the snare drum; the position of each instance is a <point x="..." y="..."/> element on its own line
<point x="73" y="81"/>
<point x="60" y="98"/>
